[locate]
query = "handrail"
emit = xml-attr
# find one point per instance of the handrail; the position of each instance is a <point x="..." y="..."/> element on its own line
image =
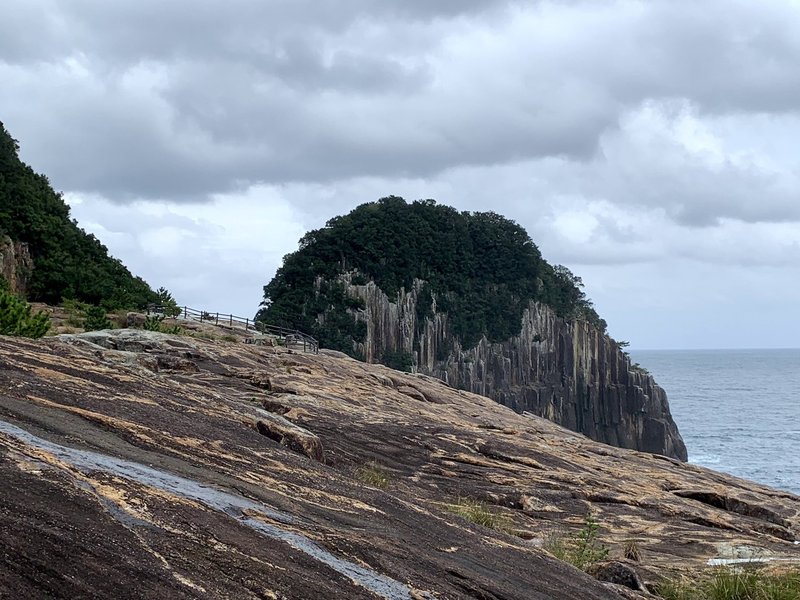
<point x="292" y="336"/>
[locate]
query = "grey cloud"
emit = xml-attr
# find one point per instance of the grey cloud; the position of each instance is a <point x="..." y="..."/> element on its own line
<point x="307" y="108"/>
<point x="696" y="194"/>
<point x="211" y="138"/>
<point x="300" y="91"/>
<point x="195" y="29"/>
<point x="302" y="65"/>
<point x="32" y="31"/>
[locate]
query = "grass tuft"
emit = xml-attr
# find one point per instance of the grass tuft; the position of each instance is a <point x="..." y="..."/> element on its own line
<point x="373" y="474"/>
<point x="631" y="551"/>
<point x="479" y="513"/>
<point x="734" y="584"/>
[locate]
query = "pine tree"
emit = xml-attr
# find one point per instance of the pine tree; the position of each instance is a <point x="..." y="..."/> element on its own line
<point x="96" y="319"/>
<point x="16" y="317"/>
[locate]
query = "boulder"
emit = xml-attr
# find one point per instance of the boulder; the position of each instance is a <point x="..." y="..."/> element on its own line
<point x="618" y="573"/>
<point x="290" y="435"/>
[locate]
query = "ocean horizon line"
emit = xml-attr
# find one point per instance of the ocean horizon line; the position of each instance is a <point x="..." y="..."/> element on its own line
<point x="745" y="349"/>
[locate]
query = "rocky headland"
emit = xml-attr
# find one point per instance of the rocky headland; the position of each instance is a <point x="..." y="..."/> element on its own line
<point x="142" y="465"/>
<point x="567" y="371"/>
<point x="467" y="298"/>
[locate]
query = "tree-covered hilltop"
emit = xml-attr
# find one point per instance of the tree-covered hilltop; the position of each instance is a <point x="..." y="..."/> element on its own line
<point x="481" y="268"/>
<point x="67" y="262"/>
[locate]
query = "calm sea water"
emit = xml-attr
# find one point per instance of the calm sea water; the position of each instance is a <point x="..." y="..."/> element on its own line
<point x="738" y="410"/>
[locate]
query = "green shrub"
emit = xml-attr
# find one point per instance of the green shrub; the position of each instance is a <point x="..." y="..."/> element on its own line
<point x="153" y="322"/>
<point x="479" y="513"/>
<point x="76" y="311"/>
<point x="734" y="584"/>
<point x="637" y="368"/>
<point x="354" y="303"/>
<point x="95" y="318"/>
<point x="156" y="323"/>
<point x="581" y="550"/>
<point x="373" y="474"/>
<point x="16" y="318"/>
<point x="167" y="303"/>
<point x="399" y="360"/>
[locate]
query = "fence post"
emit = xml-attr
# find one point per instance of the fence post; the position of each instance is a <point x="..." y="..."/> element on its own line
<point x="231" y="322"/>
<point x="216" y="319"/>
<point x="247" y="324"/>
<point x="185" y="313"/>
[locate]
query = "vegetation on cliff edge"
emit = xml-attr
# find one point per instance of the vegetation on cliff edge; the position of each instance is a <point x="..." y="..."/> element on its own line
<point x="67" y="262"/>
<point x="479" y="267"/>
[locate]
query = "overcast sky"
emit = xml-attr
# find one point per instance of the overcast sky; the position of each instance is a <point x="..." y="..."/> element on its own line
<point x="649" y="146"/>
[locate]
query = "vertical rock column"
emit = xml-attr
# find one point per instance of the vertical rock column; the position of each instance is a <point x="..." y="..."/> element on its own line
<point x="566" y="371"/>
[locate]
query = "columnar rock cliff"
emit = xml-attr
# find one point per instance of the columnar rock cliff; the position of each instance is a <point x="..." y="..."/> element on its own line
<point x="566" y="371"/>
<point x="15" y="264"/>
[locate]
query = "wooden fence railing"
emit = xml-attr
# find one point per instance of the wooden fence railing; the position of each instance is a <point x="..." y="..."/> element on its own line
<point x="290" y="336"/>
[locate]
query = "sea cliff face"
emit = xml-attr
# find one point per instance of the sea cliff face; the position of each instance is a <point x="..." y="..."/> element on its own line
<point x="15" y="264"/>
<point x="566" y="371"/>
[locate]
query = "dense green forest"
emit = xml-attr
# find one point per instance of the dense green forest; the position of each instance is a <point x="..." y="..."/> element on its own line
<point x="481" y="268"/>
<point x="68" y="262"/>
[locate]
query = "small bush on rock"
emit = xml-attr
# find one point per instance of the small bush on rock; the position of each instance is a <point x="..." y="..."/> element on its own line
<point x="156" y="323"/>
<point x="95" y="318"/>
<point x="153" y="323"/>
<point x="75" y="310"/>
<point x="17" y="319"/>
<point x="581" y="550"/>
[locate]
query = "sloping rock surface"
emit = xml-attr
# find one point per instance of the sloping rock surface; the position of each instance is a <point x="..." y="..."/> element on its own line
<point x="139" y="465"/>
<point x="567" y="371"/>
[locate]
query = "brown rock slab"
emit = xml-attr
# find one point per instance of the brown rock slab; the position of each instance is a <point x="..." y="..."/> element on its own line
<point x="128" y="482"/>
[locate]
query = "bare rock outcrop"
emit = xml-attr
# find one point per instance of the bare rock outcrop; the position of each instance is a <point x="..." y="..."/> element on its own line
<point x="246" y="476"/>
<point x="566" y="371"/>
<point x="16" y="264"/>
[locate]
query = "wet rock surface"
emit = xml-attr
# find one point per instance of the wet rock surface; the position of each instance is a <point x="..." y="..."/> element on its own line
<point x="123" y="481"/>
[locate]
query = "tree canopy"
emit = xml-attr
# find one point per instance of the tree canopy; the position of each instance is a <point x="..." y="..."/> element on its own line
<point x="68" y="262"/>
<point x="481" y="268"/>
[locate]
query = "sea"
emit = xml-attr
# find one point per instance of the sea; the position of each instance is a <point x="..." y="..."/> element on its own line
<point x="737" y="410"/>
